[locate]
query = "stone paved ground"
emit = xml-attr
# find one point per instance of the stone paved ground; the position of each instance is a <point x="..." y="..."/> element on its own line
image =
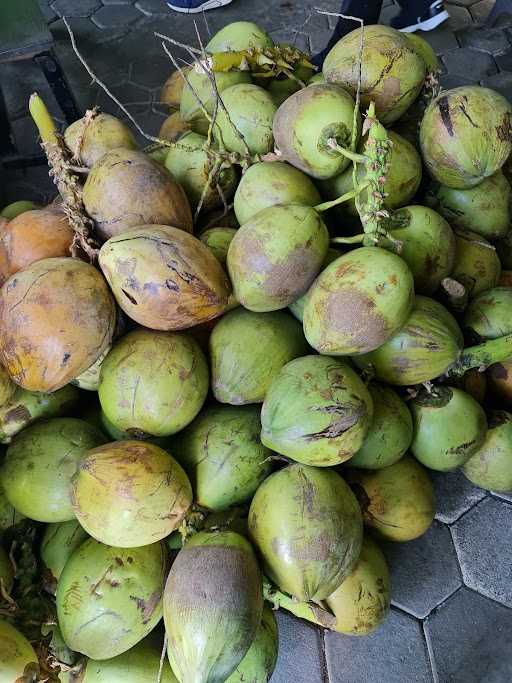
<point x="451" y="619"/>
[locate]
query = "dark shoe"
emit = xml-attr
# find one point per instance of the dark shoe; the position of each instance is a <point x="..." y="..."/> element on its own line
<point x="408" y="22"/>
<point x="193" y="6"/>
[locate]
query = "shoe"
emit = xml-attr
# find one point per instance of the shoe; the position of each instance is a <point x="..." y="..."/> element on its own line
<point x="193" y="6"/>
<point x="431" y="19"/>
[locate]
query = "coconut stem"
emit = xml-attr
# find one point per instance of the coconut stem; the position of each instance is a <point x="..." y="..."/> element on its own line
<point x="455" y="293"/>
<point x="353" y="156"/>
<point x="43" y="119"/>
<point x="356" y="239"/>
<point x="304" y="610"/>
<point x="483" y="355"/>
<point x="340" y="200"/>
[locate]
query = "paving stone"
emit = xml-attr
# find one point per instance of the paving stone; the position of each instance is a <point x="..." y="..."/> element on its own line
<point x="48" y="13"/>
<point x="300" y="651"/>
<point x="480" y="11"/>
<point x="471" y="640"/>
<point x="460" y="18"/>
<point x="448" y="81"/>
<point x="19" y="80"/>
<point x="462" y="3"/>
<point x="460" y="60"/>
<point x="395" y="653"/>
<point x="502" y="82"/>
<point x="71" y="8"/>
<point x="152" y="8"/>
<point x="492" y="40"/>
<point x="441" y="40"/>
<point x="115" y="15"/>
<point x="117" y="2"/>
<point x="503" y="496"/>
<point x="455" y="495"/>
<point x="137" y="100"/>
<point x="504" y="61"/>
<point x="483" y="540"/>
<point x="424" y="572"/>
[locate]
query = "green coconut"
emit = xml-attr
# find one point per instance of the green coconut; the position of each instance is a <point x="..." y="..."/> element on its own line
<point x="282" y="87"/>
<point x="130" y="493"/>
<point x="466" y="136"/>
<point x="424" y="348"/>
<point x="153" y="383"/>
<point x="484" y="209"/>
<point x="109" y="598"/>
<point x="12" y="210"/>
<point x="361" y="602"/>
<point x="212" y="606"/>
<point x="259" y="663"/>
<point x="476" y="265"/>
<point x="238" y="36"/>
<point x="172" y="129"/>
<point x="392" y="72"/>
<point x="434" y="308"/>
<point x="358" y="302"/>
<point x="274" y="257"/>
<point x="89" y="138"/>
<point x="504" y="247"/>
<point x="306" y="524"/>
<point x="18" y="660"/>
<point x="59" y="542"/>
<point x="317" y="411"/>
<point x="306" y="124"/>
<point x="297" y="307"/>
<point x="6" y="572"/>
<point x="491" y="466"/>
<point x="116" y="434"/>
<point x="251" y="110"/>
<point x="8" y="515"/>
<point x="426" y="242"/>
<point x="267" y="184"/>
<point x="7" y="387"/>
<point x="241" y="369"/>
<point x="190" y="165"/>
<point x="42" y="460"/>
<point x="90" y="379"/>
<point x="398" y="501"/>
<point x="449" y="426"/>
<point x="198" y="94"/>
<point x="402" y="179"/>
<point x="390" y="432"/>
<point x="489" y="315"/>
<point x="222" y="454"/>
<point x="218" y="240"/>
<point x="425" y="51"/>
<point x="499" y="379"/>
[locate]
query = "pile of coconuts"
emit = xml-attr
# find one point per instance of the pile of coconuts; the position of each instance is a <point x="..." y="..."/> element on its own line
<point x="283" y="315"/>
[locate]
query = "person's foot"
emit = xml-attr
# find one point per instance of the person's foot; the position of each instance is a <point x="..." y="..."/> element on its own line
<point x="193" y="6"/>
<point x="433" y="15"/>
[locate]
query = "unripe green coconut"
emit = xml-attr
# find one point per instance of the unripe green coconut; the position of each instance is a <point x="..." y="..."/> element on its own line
<point x="307" y="121"/>
<point x="489" y="315"/>
<point x="297" y="307"/>
<point x="153" y="383"/>
<point x="109" y="598"/>
<point x="434" y="308"/>
<point x="449" y="426"/>
<point x="130" y="493"/>
<point x="116" y="434"/>
<point x="274" y="258"/>
<point x="491" y="466"/>
<point x="281" y="88"/>
<point x="466" y="135"/>
<point x="238" y="36"/>
<point x="89" y="138"/>
<point x="172" y="129"/>
<point x="247" y="350"/>
<point x="172" y="89"/>
<point x="212" y="606"/>
<point x="259" y="663"/>
<point x="191" y="165"/>
<point x="307" y="526"/>
<point x="18" y="660"/>
<point x="476" y="264"/>
<point x="361" y="602"/>
<point x="390" y="432"/>
<point x="484" y="209"/>
<point x="218" y="240"/>
<point x="266" y="184"/>
<point x="42" y="460"/>
<point x="424" y="348"/>
<point x="425" y="51"/>
<point x="8" y="515"/>
<point x="398" y="501"/>
<point x="358" y="302"/>
<point x="222" y="454"/>
<point x="90" y="379"/>
<point x="504" y="247"/>
<point x="6" y="572"/>
<point x="317" y="411"/>
<point x="12" y="210"/>
<point x="251" y="110"/>
<point x="7" y="387"/>
<point x="60" y="540"/>
<point x="392" y="71"/>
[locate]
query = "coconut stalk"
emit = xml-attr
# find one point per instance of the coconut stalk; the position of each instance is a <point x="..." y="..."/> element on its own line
<point x="310" y="611"/>
<point x="482" y="355"/>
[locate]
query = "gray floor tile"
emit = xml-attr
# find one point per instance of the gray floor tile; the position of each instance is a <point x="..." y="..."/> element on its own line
<point x="481" y="10"/>
<point x="300" y="651"/>
<point x="396" y="652"/>
<point x="455" y="495"/>
<point x="471" y="640"/>
<point x="483" y="540"/>
<point x="492" y="40"/>
<point x="71" y="8"/>
<point x="115" y="15"/>
<point x="457" y="63"/>
<point x="501" y="82"/>
<point x="459" y="18"/>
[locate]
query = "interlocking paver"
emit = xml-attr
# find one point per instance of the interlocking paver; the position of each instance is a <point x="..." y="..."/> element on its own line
<point x="112" y="16"/>
<point x="459" y="18"/>
<point x="502" y="82"/>
<point x="492" y="40"/>
<point x="455" y="495"/>
<point x="441" y="40"/>
<point x="300" y="651"/>
<point x="150" y="74"/>
<point x="458" y="61"/>
<point x="71" y="8"/>
<point x="481" y="10"/>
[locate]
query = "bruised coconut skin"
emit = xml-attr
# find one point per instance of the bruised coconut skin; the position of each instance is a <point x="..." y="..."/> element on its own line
<point x="212" y="606"/>
<point x="474" y="382"/>
<point x="307" y="526"/>
<point x="489" y="316"/>
<point x="390" y="432"/>
<point x="164" y="278"/>
<point x="130" y="493"/>
<point x="18" y="660"/>
<point x="259" y="663"/>
<point x="466" y="136"/>
<point x="398" y="501"/>
<point x="109" y="598"/>
<point x="274" y="258"/>
<point x="361" y="602"/>
<point x="491" y="466"/>
<point x="241" y="369"/>
<point x="449" y="426"/>
<point x="476" y="264"/>
<point x="126" y="188"/>
<point x="499" y="379"/>
<point x="59" y="542"/>
<point x="173" y="128"/>
<point x="56" y="318"/>
<point x="358" y="302"/>
<point x="328" y="417"/>
<point x="97" y="136"/>
<point x="392" y="71"/>
<point x="32" y="236"/>
<point x="307" y="120"/>
<point x="297" y="307"/>
<point x="42" y="460"/>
